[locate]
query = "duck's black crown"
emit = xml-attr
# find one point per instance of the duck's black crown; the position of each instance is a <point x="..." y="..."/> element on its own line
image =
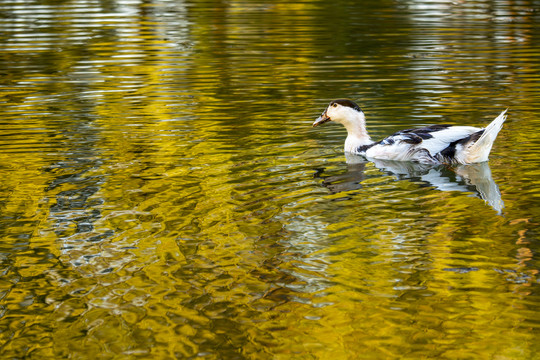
<point x="346" y="102"/>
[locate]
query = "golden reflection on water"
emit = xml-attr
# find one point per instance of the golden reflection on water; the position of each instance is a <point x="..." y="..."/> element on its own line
<point x="164" y="196"/>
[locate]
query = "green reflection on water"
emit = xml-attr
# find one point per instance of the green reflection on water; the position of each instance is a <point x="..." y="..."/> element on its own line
<point x="163" y="194"/>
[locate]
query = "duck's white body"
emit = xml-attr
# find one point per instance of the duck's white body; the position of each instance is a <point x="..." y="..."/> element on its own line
<point x="431" y="144"/>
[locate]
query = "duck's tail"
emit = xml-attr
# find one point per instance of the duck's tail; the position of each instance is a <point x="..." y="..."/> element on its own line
<point x="478" y="151"/>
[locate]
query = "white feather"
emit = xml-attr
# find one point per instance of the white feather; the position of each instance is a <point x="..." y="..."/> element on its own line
<point x="480" y="149"/>
<point x="396" y="147"/>
<point x="441" y="139"/>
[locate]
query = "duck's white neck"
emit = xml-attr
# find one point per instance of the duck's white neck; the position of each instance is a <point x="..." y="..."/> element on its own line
<point x="357" y="133"/>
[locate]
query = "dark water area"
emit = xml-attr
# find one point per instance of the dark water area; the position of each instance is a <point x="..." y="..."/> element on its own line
<point x="163" y="194"/>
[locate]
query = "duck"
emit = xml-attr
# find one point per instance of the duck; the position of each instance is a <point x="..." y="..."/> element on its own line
<point x="434" y="144"/>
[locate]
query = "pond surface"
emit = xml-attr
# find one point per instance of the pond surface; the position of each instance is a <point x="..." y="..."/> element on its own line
<point x="163" y="194"/>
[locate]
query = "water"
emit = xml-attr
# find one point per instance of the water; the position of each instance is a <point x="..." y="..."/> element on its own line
<point x="163" y="194"/>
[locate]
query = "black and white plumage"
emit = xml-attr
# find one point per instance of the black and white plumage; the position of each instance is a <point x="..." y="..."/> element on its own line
<point x="446" y="144"/>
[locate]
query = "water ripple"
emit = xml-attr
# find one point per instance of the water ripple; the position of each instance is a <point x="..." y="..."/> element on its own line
<point x="161" y="180"/>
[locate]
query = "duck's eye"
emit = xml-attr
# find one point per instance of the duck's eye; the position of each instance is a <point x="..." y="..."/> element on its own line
<point x="334" y="105"/>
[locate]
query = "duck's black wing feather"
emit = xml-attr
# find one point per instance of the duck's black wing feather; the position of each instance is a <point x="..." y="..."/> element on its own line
<point x="413" y="136"/>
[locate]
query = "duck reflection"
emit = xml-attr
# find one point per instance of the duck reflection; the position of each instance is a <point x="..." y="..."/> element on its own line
<point x="473" y="178"/>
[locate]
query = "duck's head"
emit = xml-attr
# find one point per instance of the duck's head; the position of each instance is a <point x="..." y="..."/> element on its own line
<point x="342" y="111"/>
